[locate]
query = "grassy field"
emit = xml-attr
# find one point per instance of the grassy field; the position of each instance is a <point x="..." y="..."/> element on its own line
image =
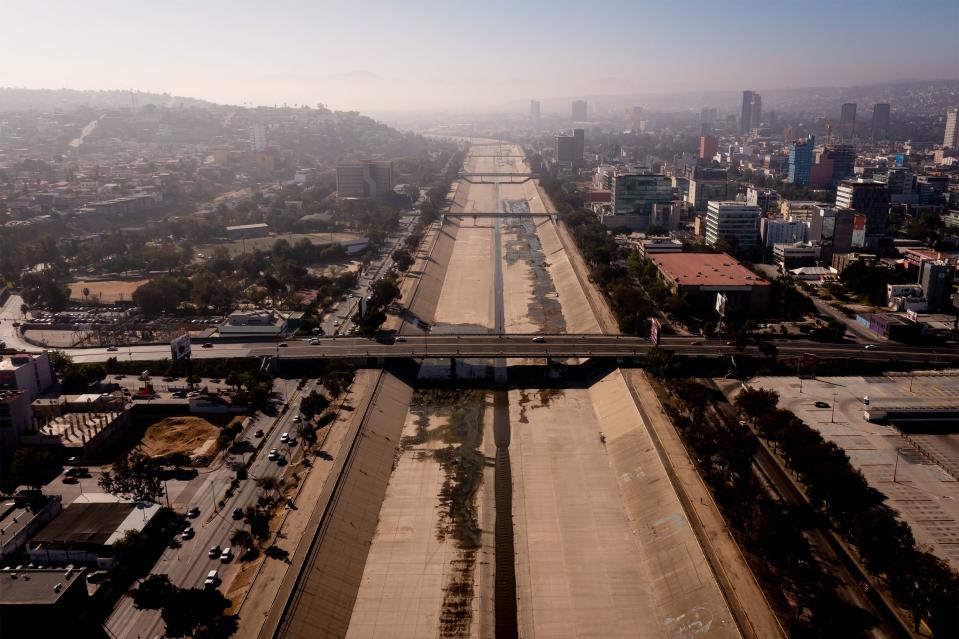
<point x="266" y="243"/>
<point x="107" y="291"/>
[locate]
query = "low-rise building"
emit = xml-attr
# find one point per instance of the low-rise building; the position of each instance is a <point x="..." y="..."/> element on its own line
<point x="85" y="532"/>
<point x="258" y="322"/>
<point x="16" y="417"/>
<point x="42" y="602"/>
<point x="248" y="231"/>
<point x="657" y="245"/>
<point x="30" y="373"/>
<point x="19" y="522"/>
<point x="795" y="255"/>
<point x="700" y="277"/>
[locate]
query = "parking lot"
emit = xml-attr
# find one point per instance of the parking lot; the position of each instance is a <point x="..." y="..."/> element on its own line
<point x="915" y="470"/>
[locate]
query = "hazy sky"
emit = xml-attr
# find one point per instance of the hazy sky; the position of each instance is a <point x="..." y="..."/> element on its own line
<point x="378" y="55"/>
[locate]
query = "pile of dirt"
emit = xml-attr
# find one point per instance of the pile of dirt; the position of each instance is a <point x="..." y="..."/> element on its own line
<point x="188" y="435"/>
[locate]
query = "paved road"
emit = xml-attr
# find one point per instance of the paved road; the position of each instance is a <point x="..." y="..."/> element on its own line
<point x="188" y="564"/>
<point x="523" y="346"/>
<point x="515" y="345"/>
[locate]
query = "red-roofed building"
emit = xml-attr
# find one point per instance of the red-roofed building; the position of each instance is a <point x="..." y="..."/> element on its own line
<point x="699" y="277"/>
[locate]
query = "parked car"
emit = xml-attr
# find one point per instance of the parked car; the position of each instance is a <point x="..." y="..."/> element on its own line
<point x="822" y="405"/>
<point x="539" y="338"/>
<point x="283" y="345"/>
<point x="193" y="513"/>
<point x="237" y="513"/>
<point x="214" y="552"/>
<point x="274" y="453"/>
<point x="258" y="433"/>
<point x="226" y="555"/>
<point x="207" y="344"/>
<point x="188" y="533"/>
<point x="112" y="349"/>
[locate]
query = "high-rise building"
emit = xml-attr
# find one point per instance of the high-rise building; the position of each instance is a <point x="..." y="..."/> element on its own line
<point x="880" y="121"/>
<point x="366" y="179"/>
<point x="868" y="198"/>
<point x="733" y="222"/>
<point x="781" y="231"/>
<point x="258" y="140"/>
<point x="951" y="139"/>
<point x="800" y="161"/>
<point x="847" y="120"/>
<point x="534" y="112"/>
<point x="936" y="278"/>
<point x="707" y="184"/>
<point x="707" y="117"/>
<point x="752" y="112"/>
<point x="843" y="162"/>
<point x="578" y="111"/>
<point x="635" y="194"/>
<point x="708" y="145"/>
<point x="570" y="148"/>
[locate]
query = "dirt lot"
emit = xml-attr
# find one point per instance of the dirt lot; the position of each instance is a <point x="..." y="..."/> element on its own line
<point x="107" y="291"/>
<point x="189" y="435"/>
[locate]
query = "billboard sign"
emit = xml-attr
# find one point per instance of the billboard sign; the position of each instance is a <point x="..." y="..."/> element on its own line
<point x="180" y="348"/>
<point x="654" y="327"/>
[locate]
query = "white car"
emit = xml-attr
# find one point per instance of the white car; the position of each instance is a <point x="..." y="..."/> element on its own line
<point x="285" y="437"/>
<point x="212" y="579"/>
<point x="274" y="453"/>
<point x="226" y="555"/>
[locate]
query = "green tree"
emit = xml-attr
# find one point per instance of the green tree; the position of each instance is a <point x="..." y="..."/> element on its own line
<point x="403" y="259"/>
<point x="755" y="402"/>
<point x="152" y="593"/>
<point x="134" y="475"/>
<point x="193" y="612"/>
<point x="242" y="538"/>
<point x="59" y="360"/>
<point x="161" y="295"/>
<point x="313" y="404"/>
<point x="32" y="466"/>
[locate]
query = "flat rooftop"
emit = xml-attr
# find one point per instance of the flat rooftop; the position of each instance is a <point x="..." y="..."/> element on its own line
<point x="98" y="523"/>
<point x="36" y="586"/>
<point x="705" y="269"/>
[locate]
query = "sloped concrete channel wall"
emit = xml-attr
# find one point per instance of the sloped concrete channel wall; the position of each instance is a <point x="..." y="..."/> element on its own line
<point x="322" y="600"/>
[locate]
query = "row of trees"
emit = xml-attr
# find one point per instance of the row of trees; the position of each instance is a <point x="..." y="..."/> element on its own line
<point x="770" y="531"/>
<point x="186" y="612"/>
<point x="919" y="581"/>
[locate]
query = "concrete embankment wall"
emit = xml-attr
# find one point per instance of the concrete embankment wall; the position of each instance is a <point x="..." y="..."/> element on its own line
<point x="684" y="588"/>
<point x="433" y="273"/>
<point x="323" y="601"/>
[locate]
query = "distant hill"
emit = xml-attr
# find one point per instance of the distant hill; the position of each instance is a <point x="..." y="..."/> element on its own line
<point x="13" y="99"/>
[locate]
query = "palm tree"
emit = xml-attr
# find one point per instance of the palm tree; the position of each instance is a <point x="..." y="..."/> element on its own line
<point x="242" y="538"/>
<point x="268" y="483"/>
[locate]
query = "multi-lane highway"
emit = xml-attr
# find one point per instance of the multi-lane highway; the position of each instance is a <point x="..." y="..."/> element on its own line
<point x="188" y="563"/>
